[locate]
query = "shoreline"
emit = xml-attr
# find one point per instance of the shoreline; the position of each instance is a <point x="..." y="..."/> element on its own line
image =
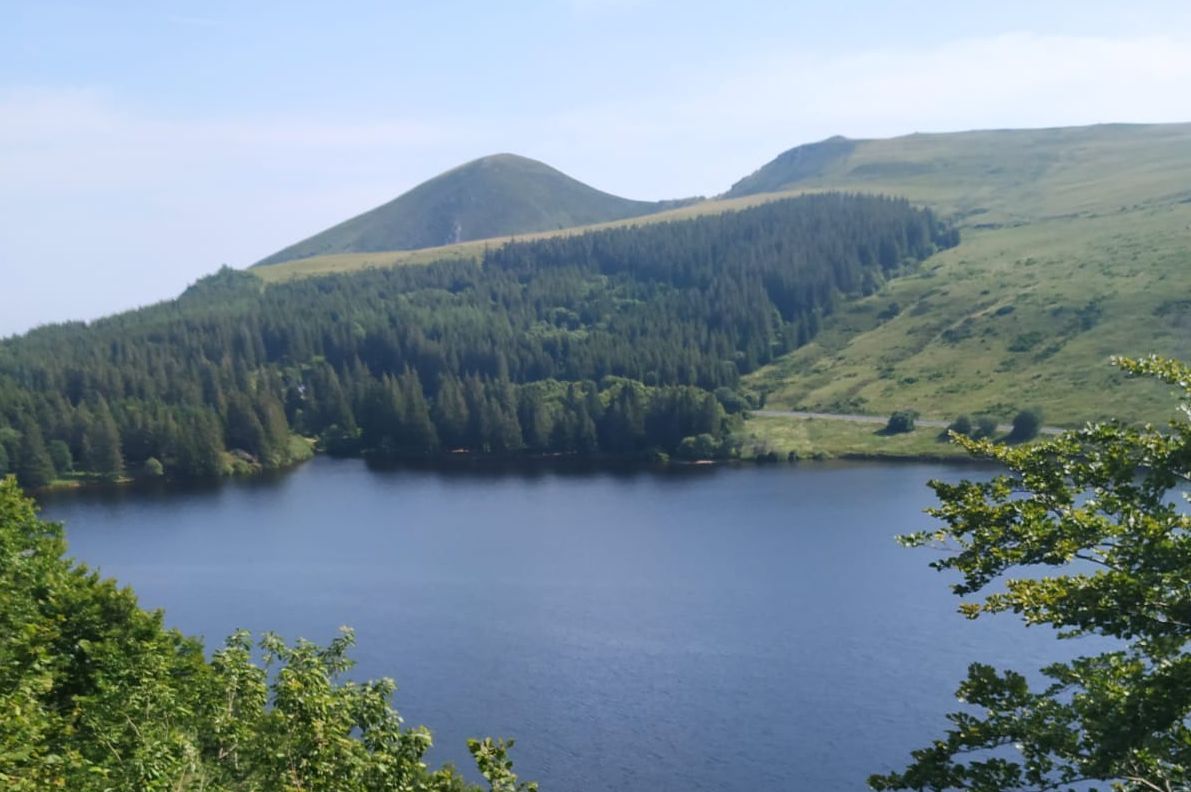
<point x="478" y="462"/>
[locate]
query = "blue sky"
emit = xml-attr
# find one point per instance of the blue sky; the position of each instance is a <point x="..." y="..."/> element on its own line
<point x="142" y="145"/>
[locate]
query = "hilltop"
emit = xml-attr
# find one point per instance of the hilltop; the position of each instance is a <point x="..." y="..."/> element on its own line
<point x="498" y="195"/>
<point x="997" y="177"/>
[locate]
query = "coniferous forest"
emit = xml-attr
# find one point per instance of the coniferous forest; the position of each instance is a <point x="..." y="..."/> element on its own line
<point x="627" y="341"/>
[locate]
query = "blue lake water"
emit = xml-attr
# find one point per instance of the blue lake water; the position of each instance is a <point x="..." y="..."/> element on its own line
<point x="702" y="629"/>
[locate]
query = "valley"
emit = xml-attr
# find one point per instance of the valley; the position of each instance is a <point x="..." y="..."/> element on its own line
<point x="595" y="396"/>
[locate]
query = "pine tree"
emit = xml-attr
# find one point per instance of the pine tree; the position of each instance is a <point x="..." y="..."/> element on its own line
<point x="333" y="407"/>
<point x="711" y="416"/>
<point x="271" y="415"/>
<point x="244" y="429"/>
<point x="418" y="435"/>
<point x="450" y="413"/>
<point x="200" y="449"/>
<point x="103" y="443"/>
<point x="537" y="421"/>
<point x="34" y="467"/>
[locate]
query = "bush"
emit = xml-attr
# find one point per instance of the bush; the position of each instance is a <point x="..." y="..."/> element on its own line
<point x="1026" y="425"/>
<point x="961" y="425"/>
<point x="731" y="401"/>
<point x="153" y="468"/>
<point x="986" y="426"/>
<point x="901" y="422"/>
<point x="702" y="446"/>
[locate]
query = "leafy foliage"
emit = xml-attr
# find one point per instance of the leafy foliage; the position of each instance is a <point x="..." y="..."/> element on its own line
<point x="1107" y="499"/>
<point x="95" y="694"/>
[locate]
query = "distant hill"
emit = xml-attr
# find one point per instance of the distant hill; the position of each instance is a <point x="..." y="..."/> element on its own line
<point x="793" y="166"/>
<point x="494" y="196"/>
<point x="1076" y="245"/>
<point x="996" y="176"/>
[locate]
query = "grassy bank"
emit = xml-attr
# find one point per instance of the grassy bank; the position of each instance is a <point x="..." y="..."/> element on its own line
<point x="819" y="438"/>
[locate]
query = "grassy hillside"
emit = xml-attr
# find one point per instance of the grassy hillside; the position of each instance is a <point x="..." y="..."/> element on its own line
<point x="494" y="196"/>
<point x="1076" y="246"/>
<point x="999" y="177"/>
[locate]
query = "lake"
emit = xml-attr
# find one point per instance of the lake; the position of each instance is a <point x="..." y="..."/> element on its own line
<point x="697" y="629"/>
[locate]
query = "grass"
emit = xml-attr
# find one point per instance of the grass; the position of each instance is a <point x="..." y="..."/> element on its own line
<point x="1006" y="177"/>
<point x="826" y="438"/>
<point x="1012" y="318"/>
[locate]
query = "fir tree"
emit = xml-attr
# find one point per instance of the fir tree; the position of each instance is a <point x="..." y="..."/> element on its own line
<point x="34" y="467"/>
<point x="103" y="443"/>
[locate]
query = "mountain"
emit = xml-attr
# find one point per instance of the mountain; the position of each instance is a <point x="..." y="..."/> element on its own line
<point x="790" y="167"/>
<point x="1074" y="247"/>
<point x="498" y="195"/>
<point x="1004" y="176"/>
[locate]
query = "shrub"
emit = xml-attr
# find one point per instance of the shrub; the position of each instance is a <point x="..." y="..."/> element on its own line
<point x="1026" y="425"/>
<point x="702" y="446"/>
<point x="961" y="425"/>
<point x="986" y="426"/>
<point x="901" y="422"/>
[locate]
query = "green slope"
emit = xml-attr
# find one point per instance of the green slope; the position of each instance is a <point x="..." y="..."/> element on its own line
<point x="1076" y="246"/>
<point x="1000" y="176"/>
<point x="494" y="196"/>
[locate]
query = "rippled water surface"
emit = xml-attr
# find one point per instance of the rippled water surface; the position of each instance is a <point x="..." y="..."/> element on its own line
<point x="724" y="629"/>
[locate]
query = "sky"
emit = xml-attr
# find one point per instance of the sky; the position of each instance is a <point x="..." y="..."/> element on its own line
<point x="146" y="144"/>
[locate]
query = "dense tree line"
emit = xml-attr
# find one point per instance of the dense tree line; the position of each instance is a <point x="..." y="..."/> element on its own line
<point x="619" y="342"/>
